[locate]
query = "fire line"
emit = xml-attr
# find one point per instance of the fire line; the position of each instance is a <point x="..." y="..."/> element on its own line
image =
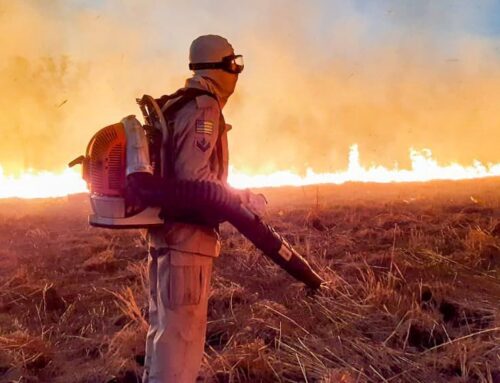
<point x="44" y="184"/>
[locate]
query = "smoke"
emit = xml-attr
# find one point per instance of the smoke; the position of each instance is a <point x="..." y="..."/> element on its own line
<point x="319" y="77"/>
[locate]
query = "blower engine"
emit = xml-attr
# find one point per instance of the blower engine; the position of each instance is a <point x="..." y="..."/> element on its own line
<point x="114" y="153"/>
<point x="124" y="170"/>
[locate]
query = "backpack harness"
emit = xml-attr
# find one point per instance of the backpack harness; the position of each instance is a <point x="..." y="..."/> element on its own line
<point x="184" y="96"/>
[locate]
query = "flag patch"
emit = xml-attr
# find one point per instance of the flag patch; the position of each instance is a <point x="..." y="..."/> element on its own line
<point x="204" y="127"/>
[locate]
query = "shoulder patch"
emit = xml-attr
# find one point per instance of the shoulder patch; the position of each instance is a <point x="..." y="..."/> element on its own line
<point x="203" y="144"/>
<point x="206" y="102"/>
<point x="204" y="127"/>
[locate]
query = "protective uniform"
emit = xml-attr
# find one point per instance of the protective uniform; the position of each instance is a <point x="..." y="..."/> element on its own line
<point x="181" y="253"/>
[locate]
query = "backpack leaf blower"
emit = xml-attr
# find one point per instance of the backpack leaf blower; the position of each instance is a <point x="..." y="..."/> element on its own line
<point x="122" y="168"/>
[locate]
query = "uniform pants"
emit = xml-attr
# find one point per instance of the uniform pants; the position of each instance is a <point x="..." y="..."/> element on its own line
<point x="179" y="289"/>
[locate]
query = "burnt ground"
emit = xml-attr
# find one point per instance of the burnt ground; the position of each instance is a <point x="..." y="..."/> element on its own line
<point x="413" y="291"/>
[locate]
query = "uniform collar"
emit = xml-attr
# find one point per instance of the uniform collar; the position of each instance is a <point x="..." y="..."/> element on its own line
<point x="200" y="82"/>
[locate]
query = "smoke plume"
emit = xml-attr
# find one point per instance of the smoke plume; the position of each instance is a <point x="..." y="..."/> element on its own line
<point x="319" y="76"/>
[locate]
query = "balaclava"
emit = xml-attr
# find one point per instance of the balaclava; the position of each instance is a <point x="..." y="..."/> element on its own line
<point x="212" y="48"/>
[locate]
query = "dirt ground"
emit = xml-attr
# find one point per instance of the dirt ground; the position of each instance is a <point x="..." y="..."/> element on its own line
<point x="412" y="294"/>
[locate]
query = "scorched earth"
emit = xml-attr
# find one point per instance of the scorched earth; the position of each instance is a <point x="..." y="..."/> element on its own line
<point x="413" y="290"/>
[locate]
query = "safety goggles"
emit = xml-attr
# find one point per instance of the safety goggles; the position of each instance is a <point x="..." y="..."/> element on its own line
<point x="232" y="64"/>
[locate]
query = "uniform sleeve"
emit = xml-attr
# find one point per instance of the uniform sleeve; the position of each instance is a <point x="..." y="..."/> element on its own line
<point x="197" y="129"/>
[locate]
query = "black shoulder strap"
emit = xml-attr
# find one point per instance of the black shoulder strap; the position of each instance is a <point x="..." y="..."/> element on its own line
<point x="184" y="96"/>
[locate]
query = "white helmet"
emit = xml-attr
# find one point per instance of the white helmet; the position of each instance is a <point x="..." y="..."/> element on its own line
<point x="214" y="52"/>
<point x="212" y="57"/>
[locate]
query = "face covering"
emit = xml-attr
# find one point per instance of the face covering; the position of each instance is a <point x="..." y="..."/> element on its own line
<point x="212" y="49"/>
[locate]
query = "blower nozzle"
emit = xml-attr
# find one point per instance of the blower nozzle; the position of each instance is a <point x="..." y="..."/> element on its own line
<point x="210" y="202"/>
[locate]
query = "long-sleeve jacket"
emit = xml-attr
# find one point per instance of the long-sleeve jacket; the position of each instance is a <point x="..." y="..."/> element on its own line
<point x="200" y="152"/>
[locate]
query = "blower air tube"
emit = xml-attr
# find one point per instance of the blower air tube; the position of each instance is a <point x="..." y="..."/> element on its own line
<point x="213" y="202"/>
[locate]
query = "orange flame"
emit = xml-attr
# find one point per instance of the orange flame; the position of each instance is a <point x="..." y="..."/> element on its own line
<point x="44" y="184"/>
<point x="424" y="168"/>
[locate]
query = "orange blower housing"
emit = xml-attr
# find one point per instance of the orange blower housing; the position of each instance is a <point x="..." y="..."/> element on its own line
<point x="114" y="153"/>
<point x="105" y="165"/>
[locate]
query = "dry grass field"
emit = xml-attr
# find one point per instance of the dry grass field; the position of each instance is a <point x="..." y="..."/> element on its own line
<point x="413" y="291"/>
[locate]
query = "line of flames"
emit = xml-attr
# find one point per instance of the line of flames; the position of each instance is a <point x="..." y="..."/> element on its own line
<point x="44" y="184"/>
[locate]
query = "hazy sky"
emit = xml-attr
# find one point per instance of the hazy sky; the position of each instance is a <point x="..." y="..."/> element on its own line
<point x="319" y="76"/>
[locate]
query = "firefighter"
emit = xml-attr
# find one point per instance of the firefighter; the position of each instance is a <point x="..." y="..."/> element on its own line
<point x="181" y="253"/>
